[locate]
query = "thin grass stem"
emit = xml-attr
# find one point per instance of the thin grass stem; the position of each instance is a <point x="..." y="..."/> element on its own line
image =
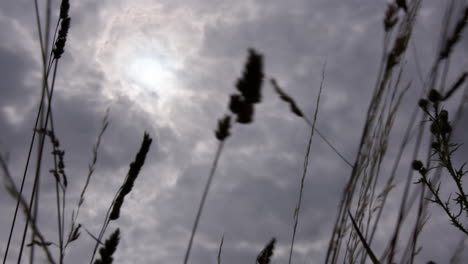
<point x="203" y="199"/>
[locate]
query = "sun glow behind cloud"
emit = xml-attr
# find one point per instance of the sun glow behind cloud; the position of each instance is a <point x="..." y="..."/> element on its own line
<point x="147" y="71"/>
<point x="144" y="70"/>
<point x="144" y="49"/>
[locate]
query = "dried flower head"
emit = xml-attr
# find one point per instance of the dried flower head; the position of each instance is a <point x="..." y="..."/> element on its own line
<point x="445" y="128"/>
<point x="417" y="165"/>
<point x="423" y="103"/>
<point x="443" y="115"/>
<point x="434" y="96"/>
<point x="440" y="128"/>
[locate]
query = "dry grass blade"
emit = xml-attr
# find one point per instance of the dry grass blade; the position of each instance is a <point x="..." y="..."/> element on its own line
<point x="91" y="167"/>
<point x="456" y="35"/>
<point x="294" y="108"/>
<point x="39" y="243"/>
<point x="305" y="167"/>
<point x="74" y="232"/>
<point x="297" y="111"/>
<point x="265" y="255"/>
<point x="458" y="253"/>
<point x="98" y="242"/>
<point x="367" y="164"/>
<point x="13" y="191"/>
<point x="455" y="86"/>
<point x="219" y="250"/>
<point x="363" y="240"/>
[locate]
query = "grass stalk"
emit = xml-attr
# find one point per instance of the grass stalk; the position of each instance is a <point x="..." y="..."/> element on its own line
<point x="203" y="199"/>
<point x="219" y="250"/>
<point x="305" y="167"/>
<point x="11" y="188"/>
<point x="113" y="213"/>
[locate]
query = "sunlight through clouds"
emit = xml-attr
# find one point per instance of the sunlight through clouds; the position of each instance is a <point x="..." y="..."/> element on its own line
<point x="168" y="68"/>
<point x="143" y="50"/>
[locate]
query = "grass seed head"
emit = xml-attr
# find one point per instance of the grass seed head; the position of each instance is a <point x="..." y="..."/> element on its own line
<point x="402" y="4"/>
<point x="223" y="128"/>
<point x="59" y="48"/>
<point x="241" y="108"/>
<point x="391" y="17"/>
<point x="133" y="172"/>
<point x="251" y="82"/>
<point x="109" y="248"/>
<point x="265" y="255"/>
<point x="64" y="7"/>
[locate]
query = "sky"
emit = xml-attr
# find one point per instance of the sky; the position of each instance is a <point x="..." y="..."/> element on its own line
<point x="168" y="68"/>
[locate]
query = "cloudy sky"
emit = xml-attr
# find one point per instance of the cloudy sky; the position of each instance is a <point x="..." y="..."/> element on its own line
<point x="168" y="68"/>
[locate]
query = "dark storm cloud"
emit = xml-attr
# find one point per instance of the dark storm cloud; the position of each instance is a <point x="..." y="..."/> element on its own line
<point x="77" y="117"/>
<point x="16" y="96"/>
<point x="256" y="185"/>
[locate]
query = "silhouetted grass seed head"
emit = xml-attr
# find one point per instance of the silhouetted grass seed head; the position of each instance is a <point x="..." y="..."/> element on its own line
<point x="251" y="82"/>
<point x="223" y="128"/>
<point x="241" y="108"/>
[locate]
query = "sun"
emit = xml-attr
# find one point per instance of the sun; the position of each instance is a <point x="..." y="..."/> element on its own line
<point x="144" y="53"/>
<point x="151" y="73"/>
<point x="147" y="71"/>
<point x="142" y="70"/>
